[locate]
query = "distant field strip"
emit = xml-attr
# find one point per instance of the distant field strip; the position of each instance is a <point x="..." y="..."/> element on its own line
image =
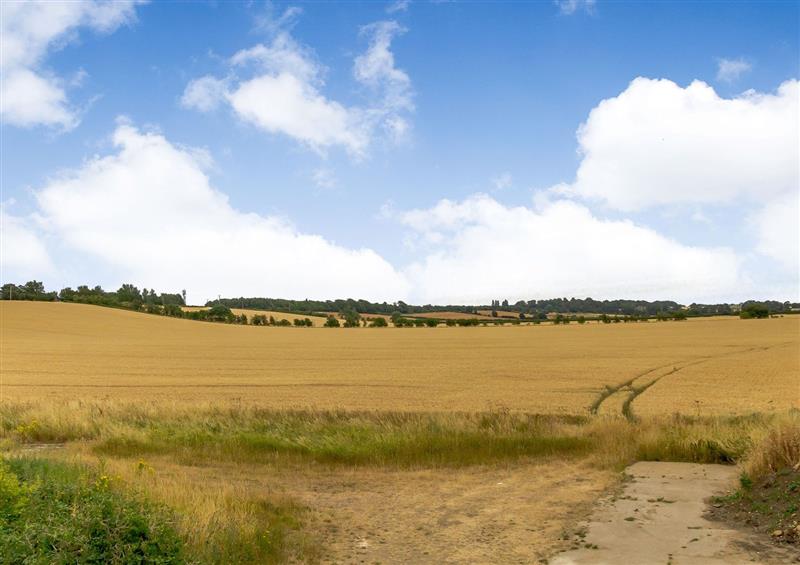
<point x="81" y="352"/>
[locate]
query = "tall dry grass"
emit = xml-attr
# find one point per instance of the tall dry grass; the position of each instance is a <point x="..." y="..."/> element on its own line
<point x="195" y="433"/>
<point x="778" y="449"/>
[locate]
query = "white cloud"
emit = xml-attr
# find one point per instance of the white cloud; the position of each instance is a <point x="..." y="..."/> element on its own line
<point x="148" y="211"/>
<point x="23" y="254"/>
<point x="283" y="56"/>
<point x="569" y="7"/>
<point x="398" y="6"/>
<point x="729" y="70"/>
<point x="777" y="230"/>
<point x="204" y="94"/>
<point x="32" y="95"/>
<point x="660" y="145"/>
<point x="376" y="70"/>
<point x="272" y="24"/>
<point x="286" y="104"/>
<point x="479" y="249"/>
<point x="283" y="92"/>
<point x="657" y="143"/>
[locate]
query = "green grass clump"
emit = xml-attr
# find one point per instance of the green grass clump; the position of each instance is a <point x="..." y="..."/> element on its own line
<point x="394" y="439"/>
<point x="52" y="512"/>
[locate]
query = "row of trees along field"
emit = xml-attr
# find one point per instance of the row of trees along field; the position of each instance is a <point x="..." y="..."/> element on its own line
<point x="127" y="296"/>
<point x="130" y="297"/>
<point x="530" y="309"/>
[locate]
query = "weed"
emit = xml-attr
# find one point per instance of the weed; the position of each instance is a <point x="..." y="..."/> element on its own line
<point x="54" y="512"/>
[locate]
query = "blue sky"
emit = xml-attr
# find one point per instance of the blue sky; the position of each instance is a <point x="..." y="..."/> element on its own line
<point x="490" y="97"/>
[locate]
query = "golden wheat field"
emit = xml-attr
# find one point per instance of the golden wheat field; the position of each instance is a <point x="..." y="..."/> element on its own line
<point x="712" y="365"/>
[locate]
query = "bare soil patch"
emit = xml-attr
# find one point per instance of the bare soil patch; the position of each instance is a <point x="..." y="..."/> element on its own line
<point x="770" y="507"/>
<point x="493" y="514"/>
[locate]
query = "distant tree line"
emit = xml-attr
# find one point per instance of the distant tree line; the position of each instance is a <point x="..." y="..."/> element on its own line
<point x="355" y="313"/>
<point x="128" y="295"/>
<point x="531" y="309"/>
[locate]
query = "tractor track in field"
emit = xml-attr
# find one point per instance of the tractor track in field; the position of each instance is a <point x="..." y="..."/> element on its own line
<point x="635" y="391"/>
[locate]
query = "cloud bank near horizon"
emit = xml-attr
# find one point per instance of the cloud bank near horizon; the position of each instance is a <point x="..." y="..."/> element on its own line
<point x="654" y="145"/>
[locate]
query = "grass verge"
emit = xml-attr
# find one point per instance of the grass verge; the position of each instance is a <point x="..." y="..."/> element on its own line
<point x="51" y="512"/>
<point x="768" y="497"/>
<point x="196" y="434"/>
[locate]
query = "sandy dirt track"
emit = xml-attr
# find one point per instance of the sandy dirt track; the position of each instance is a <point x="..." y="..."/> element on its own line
<point x="507" y="514"/>
<point x="659" y="519"/>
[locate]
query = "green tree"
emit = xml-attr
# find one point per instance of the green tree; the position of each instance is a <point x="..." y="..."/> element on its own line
<point x="332" y="322"/>
<point x="11" y="292"/>
<point x="129" y="293"/>
<point x="173" y="310"/>
<point x="34" y="288"/>
<point x="351" y="318"/>
<point x="378" y="323"/>
<point x="754" y="310"/>
<point x="219" y="313"/>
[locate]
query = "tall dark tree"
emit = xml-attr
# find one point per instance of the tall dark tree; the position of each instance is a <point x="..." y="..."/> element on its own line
<point x="129" y="293"/>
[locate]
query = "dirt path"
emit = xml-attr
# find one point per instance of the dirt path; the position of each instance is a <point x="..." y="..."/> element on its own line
<point x="659" y="519"/>
<point x="513" y="514"/>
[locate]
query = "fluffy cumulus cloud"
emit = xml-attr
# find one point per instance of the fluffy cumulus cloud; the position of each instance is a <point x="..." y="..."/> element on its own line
<point x="278" y="87"/>
<point x="31" y="94"/>
<point x="479" y="249"/>
<point x="22" y="250"/>
<point x="148" y="210"/>
<point x="777" y="227"/>
<point x="658" y="144"/>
